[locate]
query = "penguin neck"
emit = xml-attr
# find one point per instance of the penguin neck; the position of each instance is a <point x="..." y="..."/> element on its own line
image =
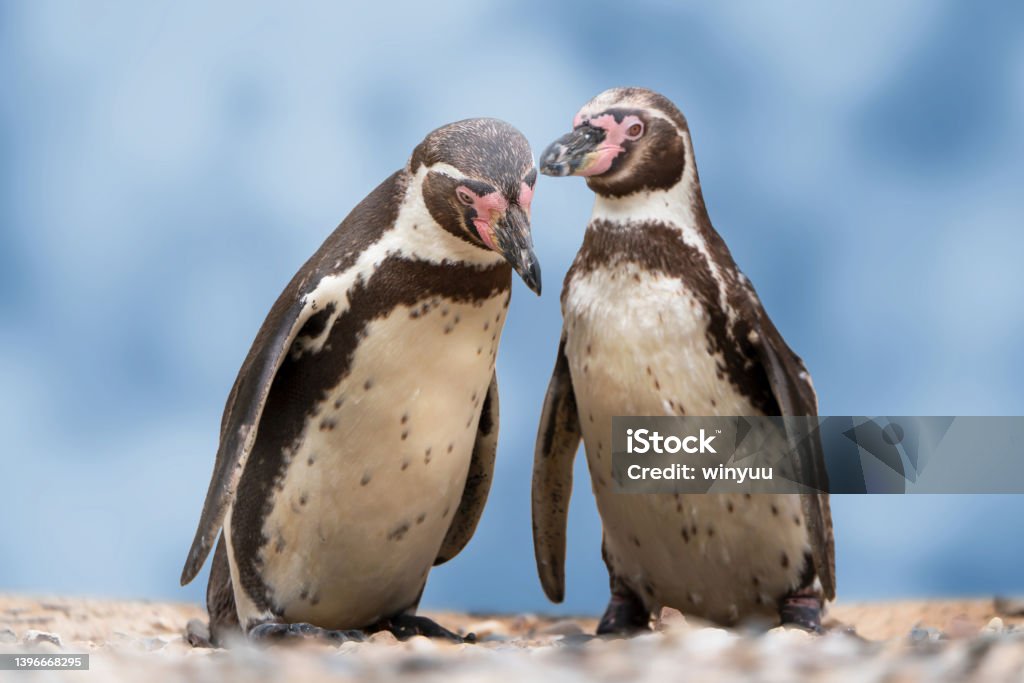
<point x="426" y="238"/>
<point x="679" y="208"/>
<point x="674" y="217"/>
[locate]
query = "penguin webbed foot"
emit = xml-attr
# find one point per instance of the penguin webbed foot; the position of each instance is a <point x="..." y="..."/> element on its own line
<point x="405" y="626"/>
<point x="802" y="609"/>
<point x="274" y="632"/>
<point x="625" y="615"/>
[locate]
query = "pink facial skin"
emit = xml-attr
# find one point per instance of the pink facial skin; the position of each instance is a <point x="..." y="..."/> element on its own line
<point x="489" y="208"/>
<point x="601" y="159"/>
<point x="525" y="197"/>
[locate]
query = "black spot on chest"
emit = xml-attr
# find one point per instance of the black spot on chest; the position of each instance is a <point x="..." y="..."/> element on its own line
<point x="399" y="532"/>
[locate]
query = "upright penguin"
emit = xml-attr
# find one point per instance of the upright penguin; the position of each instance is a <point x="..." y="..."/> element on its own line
<point x="358" y="442"/>
<point x="658" y="320"/>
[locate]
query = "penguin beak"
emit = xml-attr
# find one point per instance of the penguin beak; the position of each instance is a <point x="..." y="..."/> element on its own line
<point x="574" y="153"/>
<point x="516" y="245"/>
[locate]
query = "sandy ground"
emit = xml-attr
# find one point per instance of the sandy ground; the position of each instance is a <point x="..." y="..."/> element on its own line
<point x="935" y="640"/>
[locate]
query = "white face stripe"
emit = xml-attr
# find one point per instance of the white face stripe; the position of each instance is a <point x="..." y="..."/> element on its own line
<point x="446" y="169"/>
<point x="415" y="235"/>
<point x="456" y="174"/>
<point x="672" y="207"/>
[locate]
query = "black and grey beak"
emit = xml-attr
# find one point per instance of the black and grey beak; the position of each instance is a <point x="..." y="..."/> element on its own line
<point x="516" y="245"/>
<point x="572" y="152"/>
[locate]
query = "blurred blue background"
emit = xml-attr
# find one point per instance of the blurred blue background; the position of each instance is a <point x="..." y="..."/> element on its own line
<point x="166" y="166"/>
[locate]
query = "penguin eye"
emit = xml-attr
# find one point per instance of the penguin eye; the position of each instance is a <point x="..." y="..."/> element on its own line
<point x="635" y="131"/>
<point x="464" y="197"/>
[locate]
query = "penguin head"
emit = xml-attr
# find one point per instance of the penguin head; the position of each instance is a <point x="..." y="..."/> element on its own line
<point x="625" y="140"/>
<point x="478" y="186"/>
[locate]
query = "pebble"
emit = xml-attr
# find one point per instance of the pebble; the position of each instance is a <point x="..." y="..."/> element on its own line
<point x="994" y="626"/>
<point x="420" y="644"/>
<point x="921" y="635"/>
<point x="197" y="633"/>
<point x="33" y="637"/>
<point x="383" y="638"/>
<point x="670" y="619"/>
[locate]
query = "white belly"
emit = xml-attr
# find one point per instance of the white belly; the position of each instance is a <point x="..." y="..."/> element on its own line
<point x="371" y="489"/>
<point x="637" y="346"/>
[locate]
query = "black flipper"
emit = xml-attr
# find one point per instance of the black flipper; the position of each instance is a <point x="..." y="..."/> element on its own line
<point x="558" y="439"/>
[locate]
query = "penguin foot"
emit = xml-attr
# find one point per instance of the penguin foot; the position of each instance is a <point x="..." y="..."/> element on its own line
<point x="802" y="608"/>
<point x="625" y="615"/>
<point x="274" y="633"/>
<point x="405" y="626"/>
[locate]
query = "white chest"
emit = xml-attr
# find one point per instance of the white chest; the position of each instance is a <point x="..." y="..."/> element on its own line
<point x="380" y="470"/>
<point x="637" y="345"/>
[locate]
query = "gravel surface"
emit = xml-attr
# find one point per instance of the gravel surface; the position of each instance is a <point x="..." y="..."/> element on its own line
<point x="892" y="642"/>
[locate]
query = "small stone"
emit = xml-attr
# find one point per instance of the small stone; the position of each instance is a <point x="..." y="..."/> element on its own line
<point x="420" y="644"/>
<point x="8" y="636"/>
<point x="383" y="638"/>
<point x="33" y="637"/>
<point x="564" y="627"/>
<point x="197" y="633"/>
<point x="790" y="632"/>
<point x="669" y="619"/>
<point x="923" y="635"/>
<point x="994" y="626"/>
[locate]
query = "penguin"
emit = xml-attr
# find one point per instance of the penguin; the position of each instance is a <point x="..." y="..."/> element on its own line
<point x="358" y="442"/>
<point x="658" y="320"/>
